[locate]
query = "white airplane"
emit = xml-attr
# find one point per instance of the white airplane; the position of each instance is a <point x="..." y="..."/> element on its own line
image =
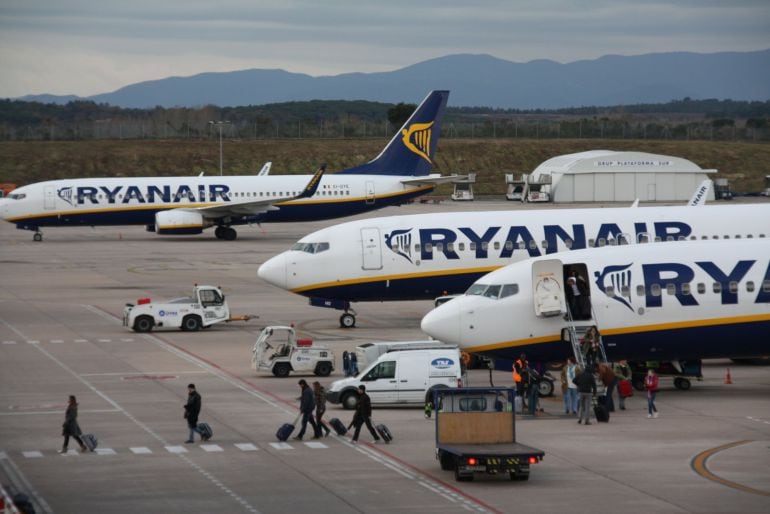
<point x="663" y="302"/>
<point x="424" y="256"/>
<point x="187" y="205"/>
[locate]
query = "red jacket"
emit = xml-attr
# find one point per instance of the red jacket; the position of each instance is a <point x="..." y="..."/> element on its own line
<point x="651" y="383"/>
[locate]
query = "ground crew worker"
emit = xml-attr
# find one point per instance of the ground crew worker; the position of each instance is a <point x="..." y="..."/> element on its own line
<point x="520" y="364"/>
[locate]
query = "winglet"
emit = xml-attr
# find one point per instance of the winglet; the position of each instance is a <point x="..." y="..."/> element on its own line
<point x="700" y="195"/>
<point x="265" y="169"/>
<point x="312" y="186"/>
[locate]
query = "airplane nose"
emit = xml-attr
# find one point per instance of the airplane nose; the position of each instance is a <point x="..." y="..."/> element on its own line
<point x="274" y="271"/>
<point x="443" y="322"/>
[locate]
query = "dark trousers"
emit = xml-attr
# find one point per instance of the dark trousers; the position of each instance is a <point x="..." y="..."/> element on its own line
<point x="307" y="417"/>
<point x="320" y="425"/>
<point x="368" y="422"/>
<point x="609" y="402"/>
<point x="75" y="437"/>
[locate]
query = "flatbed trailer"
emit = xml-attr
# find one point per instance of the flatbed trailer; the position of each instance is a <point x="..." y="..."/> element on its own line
<point x="476" y="433"/>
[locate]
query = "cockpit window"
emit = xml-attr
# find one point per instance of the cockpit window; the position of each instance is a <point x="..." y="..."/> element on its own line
<point x="476" y="289"/>
<point x="17" y="196"/>
<point x="310" y="247"/>
<point x="492" y="292"/>
<point x="509" y="290"/>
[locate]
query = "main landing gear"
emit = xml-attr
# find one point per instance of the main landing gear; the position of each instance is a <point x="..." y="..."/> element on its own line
<point x="37" y="237"/>
<point x="226" y="233"/>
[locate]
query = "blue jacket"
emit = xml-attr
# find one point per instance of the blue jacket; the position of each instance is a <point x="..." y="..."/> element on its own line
<point x="307" y="402"/>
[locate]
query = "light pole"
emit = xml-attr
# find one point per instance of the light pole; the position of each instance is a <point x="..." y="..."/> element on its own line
<point x="219" y="124"/>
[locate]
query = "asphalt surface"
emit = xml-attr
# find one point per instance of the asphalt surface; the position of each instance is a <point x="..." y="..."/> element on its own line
<point x="61" y="302"/>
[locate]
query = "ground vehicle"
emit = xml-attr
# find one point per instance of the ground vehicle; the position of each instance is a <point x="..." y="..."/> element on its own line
<point x="681" y="371"/>
<point x="206" y="307"/>
<point x="401" y="377"/>
<point x="369" y="352"/>
<point x="476" y="433"/>
<point x="291" y="354"/>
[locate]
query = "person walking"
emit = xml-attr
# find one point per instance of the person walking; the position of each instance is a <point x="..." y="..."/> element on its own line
<point x="192" y="410"/>
<point x="363" y="415"/>
<point x="623" y="375"/>
<point x="568" y="388"/>
<point x="320" y="407"/>
<point x="610" y="381"/>
<point x="587" y="388"/>
<point x="353" y="364"/>
<point x="306" y="408"/>
<point x="346" y="363"/>
<point x="518" y="381"/>
<point x="70" y="427"/>
<point x="651" y="386"/>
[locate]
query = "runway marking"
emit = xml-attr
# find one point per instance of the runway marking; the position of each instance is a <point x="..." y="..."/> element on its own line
<point x="105" y="451"/>
<point x="33" y="342"/>
<point x="57" y="341"/>
<point x="104" y="340"/>
<point x="33" y="454"/>
<point x="212" y="448"/>
<point x="282" y="446"/>
<point x="131" y="417"/>
<point x="699" y="464"/>
<point x="315" y="445"/>
<point x="176" y="449"/>
<point x="80" y="341"/>
<point x="758" y="420"/>
<point x="127" y="340"/>
<point x="246" y="447"/>
<point x="9" y="342"/>
<point x="57" y="412"/>
<point x="140" y="450"/>
<point x="139" y="373"/>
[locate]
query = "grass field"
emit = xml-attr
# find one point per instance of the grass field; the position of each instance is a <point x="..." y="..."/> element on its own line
<point x="744" y="164"/>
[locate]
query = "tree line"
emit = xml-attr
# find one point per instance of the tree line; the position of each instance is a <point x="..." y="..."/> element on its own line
<point x="679" y="119"/>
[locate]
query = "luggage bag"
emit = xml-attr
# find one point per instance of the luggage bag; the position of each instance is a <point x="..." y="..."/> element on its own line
<point x="286" y="429"/>
<point x="601" y="413"/>
<point x="205" y="431"/>
<point x="90" y="441"/>
<point x="384" y="432"/>
<point x="625" y="389"/>
<point x="338" y="426"/>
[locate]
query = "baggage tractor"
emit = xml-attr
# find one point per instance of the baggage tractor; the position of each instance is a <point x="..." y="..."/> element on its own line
<point x="286" y="429"/>
<point x="90" y="441"/>
<point x="205" y="431"/>
<point x="338" y="426"/>
<point x="384" y="432"/>
<point x="625" y="389"/>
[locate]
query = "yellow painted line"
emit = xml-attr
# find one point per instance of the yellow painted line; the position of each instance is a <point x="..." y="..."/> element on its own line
<point x="403" y="276"/>
<point x="699" y="465"/>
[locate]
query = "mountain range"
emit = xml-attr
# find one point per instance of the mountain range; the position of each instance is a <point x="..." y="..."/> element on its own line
<point x="474" y="81"/>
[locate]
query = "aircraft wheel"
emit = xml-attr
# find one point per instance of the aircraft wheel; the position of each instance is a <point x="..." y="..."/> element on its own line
<point x="219" y="232"/>
<point x="37" y="237"/>
<point x="191" y="323"/>
<point x="682" y="383"/>
<point x="347" y="320"/>
<point x="229" y="234"/>
<point x="545" y="388"/>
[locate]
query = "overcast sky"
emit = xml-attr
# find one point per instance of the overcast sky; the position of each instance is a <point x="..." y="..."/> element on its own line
<point x="85" y="47"/>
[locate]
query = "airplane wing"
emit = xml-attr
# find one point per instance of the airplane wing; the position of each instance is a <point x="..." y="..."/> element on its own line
<point x="433" y="179"/>
<point x="265" y="169"/>
<point x="260" y="206"/>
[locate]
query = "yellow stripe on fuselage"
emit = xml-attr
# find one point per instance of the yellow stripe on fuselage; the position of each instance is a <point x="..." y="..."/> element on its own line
<point x="640" y="329"/>
<point x="306" y="201"/>
<point x="404" y="276"/>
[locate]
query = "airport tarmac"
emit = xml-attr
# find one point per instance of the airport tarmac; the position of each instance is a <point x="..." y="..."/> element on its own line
<point x="61" y="304"/>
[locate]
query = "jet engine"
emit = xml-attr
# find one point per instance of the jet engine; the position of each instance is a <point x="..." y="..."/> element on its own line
<point x="180" y="222"/>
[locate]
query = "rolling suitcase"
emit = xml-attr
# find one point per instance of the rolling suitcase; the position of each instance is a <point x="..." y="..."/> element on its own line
<point x="286" y="429"/>
<point x="90" y="441"/>
<point x="384" y="433"/>
<point x="601" y="413"/>
<point x="205" y="431"/>
<point x="338" y="426"/>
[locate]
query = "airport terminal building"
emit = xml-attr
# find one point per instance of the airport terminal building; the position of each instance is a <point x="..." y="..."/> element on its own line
<point x="607" y="176"/>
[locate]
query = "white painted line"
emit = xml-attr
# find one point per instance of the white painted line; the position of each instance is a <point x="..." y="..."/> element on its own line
<point x="9" y="342"/>
<point x="33" y="342"/>
<point x="315" y="445"/>
<point x="140" y="450"/>
<point x="81" y="340"/>
<point x="139" y="373"/>
<point x="176" y="449"/>
<point x="127" y="340"/>
<point x="212" y="448"/>
<point x="57" y="341"/>
<point x="69" y="453"/>
<point x="282" y="446"/>
<point x="104" y="451"/>
<point x="105" y="340"/>
<point x="246" y="447"/>
<point x="33" y="454"/>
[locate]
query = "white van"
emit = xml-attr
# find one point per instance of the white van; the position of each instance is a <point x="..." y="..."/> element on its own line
<point x="369" y="352"/>
<point x="401" y="377"/>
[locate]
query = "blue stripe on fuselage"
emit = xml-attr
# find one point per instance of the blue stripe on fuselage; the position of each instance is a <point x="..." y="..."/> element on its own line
<point x="416" y="288"/>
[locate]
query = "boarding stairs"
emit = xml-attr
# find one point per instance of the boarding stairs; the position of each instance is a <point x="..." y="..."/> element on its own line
<point x="577" y="330"/>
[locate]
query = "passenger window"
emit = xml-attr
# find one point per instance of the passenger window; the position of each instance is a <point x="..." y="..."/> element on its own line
<point x="686" y="288"/>
<point x="509" y="245"/>
<point x="522" y="246"/>
<point x="591" y="243"/>
<point x="461" y="247"/>
<point x="417" y="247"/>
<point x="601" y="242"/>
<point x="450" y="247"/>
<point x="766" y="286"/>
<point x="750" y="286"/>
<point x="544" y="245"/>
<point x="439" y="247"/>
<point x="717" y="287"/>
<point x="609" y="291"/>
<point x="704" y="237"/>
<point x="509" y="290"/>
<point x="568" y="244"/>
<point x="497" y="245"/>
<point x="733" y="286"/>
<point x="701" y="288"/>
<point x="382" y="370"/>
<point x="639" y="290"/>
<point x="655" y="290"/>
<point x="472" y="247"/>
<point x="485" y="246"/>
<point x="428" y="247"/>
<point x="532" y="244"/>
<point x="625" y="291"/>
<point x="671" y="289"/>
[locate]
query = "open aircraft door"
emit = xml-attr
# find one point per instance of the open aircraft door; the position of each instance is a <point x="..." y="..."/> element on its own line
<point x="371" y="248"/>
<point x="49" y="198"/>
<point x="548" y="288"/>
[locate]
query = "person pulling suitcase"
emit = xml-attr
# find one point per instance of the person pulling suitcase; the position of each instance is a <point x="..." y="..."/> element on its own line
<point x="363" y="415"/>
<point x="70" y="427"/>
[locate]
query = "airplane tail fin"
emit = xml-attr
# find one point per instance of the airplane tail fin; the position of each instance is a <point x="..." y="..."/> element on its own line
<point x="411" y="150"/>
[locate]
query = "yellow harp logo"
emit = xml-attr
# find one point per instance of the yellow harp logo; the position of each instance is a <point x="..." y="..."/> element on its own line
<point x="417" y="139"/>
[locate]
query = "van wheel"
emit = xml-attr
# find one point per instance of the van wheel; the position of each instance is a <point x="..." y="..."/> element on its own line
<point x="323" y="369"/>
<point x="349" y="400"/>
<point x="191" y="323"/>
<point x="446" y="460"/>
<point x="143" y="324"/>
<point x="281" y="369"/>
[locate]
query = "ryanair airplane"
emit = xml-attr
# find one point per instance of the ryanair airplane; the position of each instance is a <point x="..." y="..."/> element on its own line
<point x="424" y="256"/>
<point x="188" y="205"/>
<point x="665" y="302"/>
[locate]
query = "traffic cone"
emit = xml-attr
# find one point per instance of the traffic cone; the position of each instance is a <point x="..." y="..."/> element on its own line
<point x="728" y="380"/>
